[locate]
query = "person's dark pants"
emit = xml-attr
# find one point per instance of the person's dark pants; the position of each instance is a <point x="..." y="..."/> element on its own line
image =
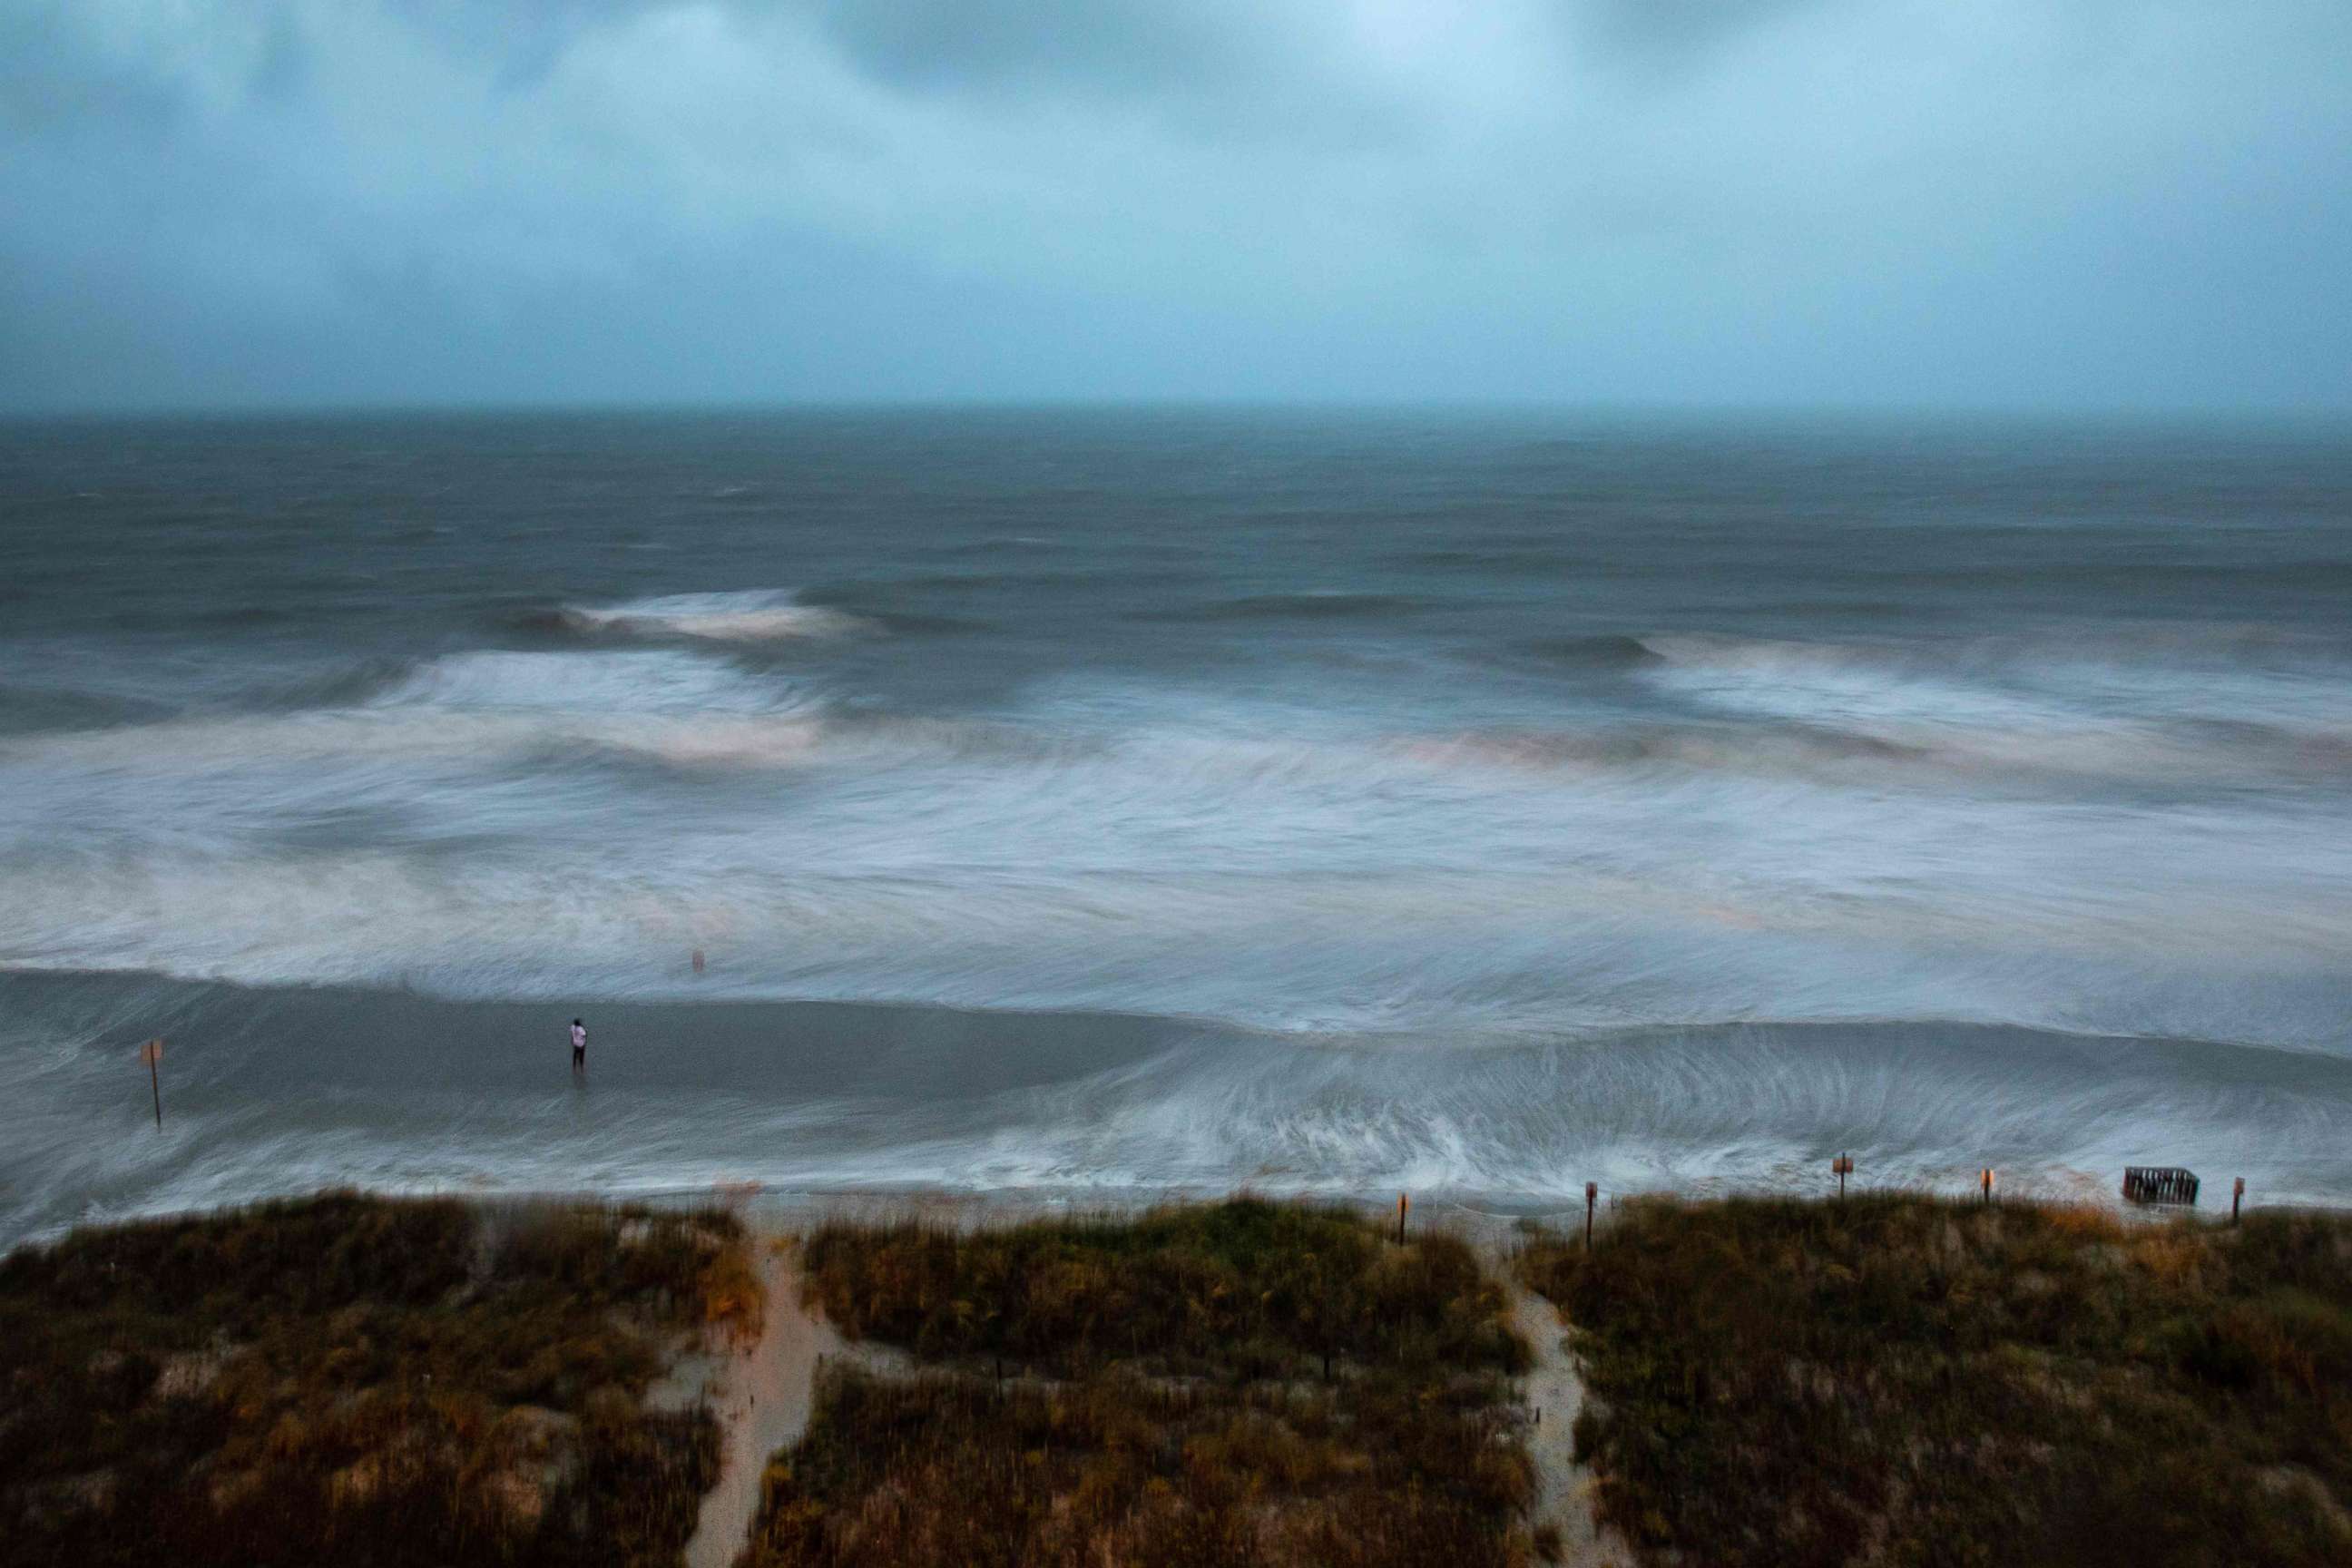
<point x="580" y="1059"/>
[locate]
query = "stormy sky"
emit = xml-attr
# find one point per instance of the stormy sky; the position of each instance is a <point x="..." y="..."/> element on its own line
<point x="2093" y="204"/>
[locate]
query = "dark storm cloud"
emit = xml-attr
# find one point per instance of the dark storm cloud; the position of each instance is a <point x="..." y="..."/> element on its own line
<point x="1674" y="200"/>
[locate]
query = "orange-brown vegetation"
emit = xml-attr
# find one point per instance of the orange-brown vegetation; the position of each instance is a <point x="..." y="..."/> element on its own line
<point x="1899" y="1380"/>
<point x="357" y="1381"/>
<point x="1244" y="1383"/>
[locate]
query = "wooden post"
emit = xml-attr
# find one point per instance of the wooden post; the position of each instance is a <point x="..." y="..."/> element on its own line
<point x="1591" y="1192"/>
<point x="1843" y="1165"/>
<point x="2237" y="1197"/>
<point x="1987" y="1184"/>
<point x="1403" y="1202"/>
<point x="152" y="1053"/>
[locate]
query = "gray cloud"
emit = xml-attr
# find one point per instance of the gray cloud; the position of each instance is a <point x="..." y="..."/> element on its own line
<point x="1672" y="32"/>
<point x="1108" y="46"/>
<point x="1746" y="201"/>
<point x="51" y="82"/>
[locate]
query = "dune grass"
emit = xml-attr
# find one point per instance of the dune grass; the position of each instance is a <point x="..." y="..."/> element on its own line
<point x="1264" y="1289"/>
<point x="359" y="1381"/>
<point x="1902" y="1380"/>
<point x="1245" y="1382"/>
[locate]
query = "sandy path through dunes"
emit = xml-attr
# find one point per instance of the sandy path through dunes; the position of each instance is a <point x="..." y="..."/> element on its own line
<point x="1563" y="1487"/>
<point x="762" y="1404"/>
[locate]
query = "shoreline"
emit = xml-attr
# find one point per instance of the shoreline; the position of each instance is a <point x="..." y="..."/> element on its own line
<point x="783" y="1216"/>
<point x="269" y="1092"/>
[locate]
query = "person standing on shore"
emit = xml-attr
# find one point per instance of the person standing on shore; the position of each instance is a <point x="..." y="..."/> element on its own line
<point x="579" y="1046"/>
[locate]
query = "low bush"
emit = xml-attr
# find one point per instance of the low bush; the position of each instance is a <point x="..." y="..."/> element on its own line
<point x="1241" y="1384"/>
<point x="1900" y="1380"/>
<point x="956" y="1469"/>
<point x="355" y="1380"/>
<point x="1246" y="1284"/>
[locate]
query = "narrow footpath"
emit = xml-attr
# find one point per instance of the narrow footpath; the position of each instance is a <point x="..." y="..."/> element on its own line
<point x="1555" y="1391"/>
<point x="762" y="1399"/>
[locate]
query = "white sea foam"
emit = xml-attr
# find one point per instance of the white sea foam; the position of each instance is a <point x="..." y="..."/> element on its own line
<point x="648" y="681"/>
<point x="445" y="1097"/>
<point x="761" y="615"/>
<point x="1568" y="760"/>
<point x="1991" y="709"/>
<point x="1130" y="845"/>
<point x="482" y="707"/>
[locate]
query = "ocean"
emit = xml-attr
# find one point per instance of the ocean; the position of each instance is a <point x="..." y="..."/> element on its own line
<point x="1088" y="806"/>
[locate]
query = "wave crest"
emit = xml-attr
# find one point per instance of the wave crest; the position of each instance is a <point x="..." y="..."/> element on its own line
<point x="758" y="614"/>
<point x="648" y="681"/>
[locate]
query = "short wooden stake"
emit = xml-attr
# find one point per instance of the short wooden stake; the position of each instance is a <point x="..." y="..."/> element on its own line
<point x="1592" y="1193"/>
<point x="152" y="1053"/>
<point x="2237" y="1197"/>
<point x="1843" y="1166"/>
<point x="1403" y="1202"/>
<point x="1987" y="1184"/>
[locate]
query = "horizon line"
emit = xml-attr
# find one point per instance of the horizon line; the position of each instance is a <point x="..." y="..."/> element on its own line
<point x="1594" y="409"/>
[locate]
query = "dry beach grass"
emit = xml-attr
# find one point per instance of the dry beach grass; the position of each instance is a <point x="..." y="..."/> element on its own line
<point x="1244" y="1383"/>
<point x="353" y="1380"/>
<point x="1897" y="1380"/>
<point x="1904" y="1380"/>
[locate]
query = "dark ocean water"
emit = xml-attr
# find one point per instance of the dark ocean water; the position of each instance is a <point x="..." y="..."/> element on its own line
<point x="1094" y="802"/>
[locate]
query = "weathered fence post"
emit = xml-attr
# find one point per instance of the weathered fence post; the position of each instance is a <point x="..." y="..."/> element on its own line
<point x="2237" y="1197"/>
<point x="1843" y="1166"/>
<point x="1591" y="1192"/>
<point x="1403" y="1202"/>
<point x="1987" y="1183"/>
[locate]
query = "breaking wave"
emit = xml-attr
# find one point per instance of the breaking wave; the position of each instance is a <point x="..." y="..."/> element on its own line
<point x="2112" y="707"/>
<point x="650" y="681"/>
<point x="750" y="616"/>
<point x="1450" y="809"/>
